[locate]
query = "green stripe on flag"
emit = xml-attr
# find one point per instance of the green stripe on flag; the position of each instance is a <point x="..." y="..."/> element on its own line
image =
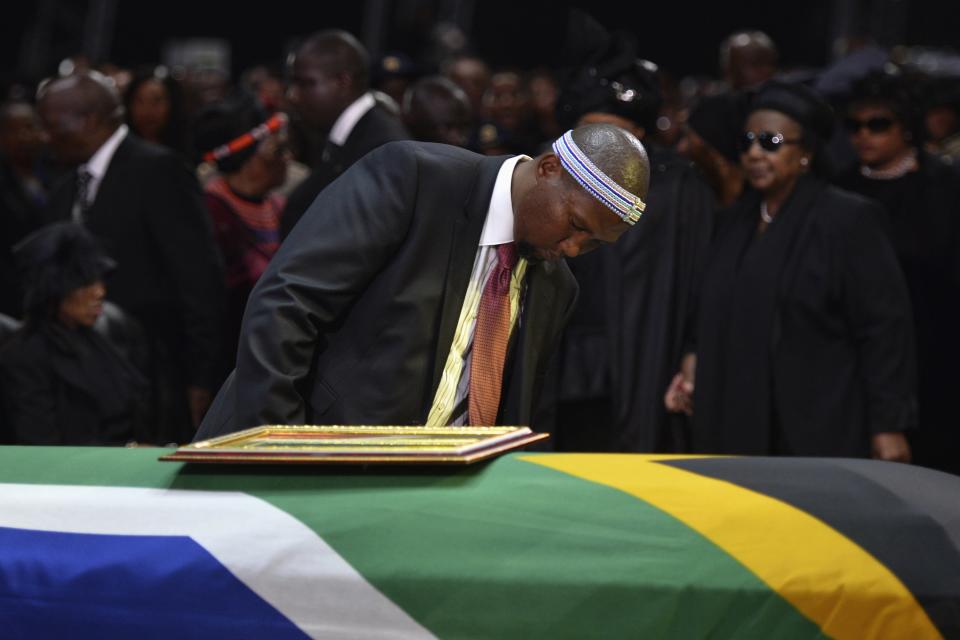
<point x="505" y="550"/>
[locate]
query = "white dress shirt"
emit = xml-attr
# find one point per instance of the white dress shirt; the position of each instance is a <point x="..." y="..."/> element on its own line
<point x="349" y="117"/>
<point x="497" y="229"/>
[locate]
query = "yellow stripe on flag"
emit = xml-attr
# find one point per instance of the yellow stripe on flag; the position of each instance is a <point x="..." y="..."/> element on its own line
<point x="824" y="574"/>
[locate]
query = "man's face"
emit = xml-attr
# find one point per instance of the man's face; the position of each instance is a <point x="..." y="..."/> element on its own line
<point x="750" y="66"/>
<point x="507" y="101"/>
<point x="449" y="122"/>
<point x="68" y="129"/>
<point x="317" y="95"/>
<point x="473" y="77"/>
<point x="557" y="218"/>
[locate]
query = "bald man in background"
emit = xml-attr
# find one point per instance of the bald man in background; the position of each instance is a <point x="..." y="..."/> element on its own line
<point x="145" y="206"/>
<point x="748" y="59"/>
<point x="437" y="110"/>
<point x="329" y="92"/>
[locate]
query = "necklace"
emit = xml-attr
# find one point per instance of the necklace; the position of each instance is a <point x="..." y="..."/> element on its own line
<point x="764" y="214"/>
<point x="905" y="165"/>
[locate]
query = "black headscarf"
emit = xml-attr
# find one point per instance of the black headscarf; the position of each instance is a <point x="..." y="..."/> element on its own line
<point x="55" y="260"/>
<point x="801" y="103"/>
<point x="601" y="72"/>
<point x="629" y="89"/>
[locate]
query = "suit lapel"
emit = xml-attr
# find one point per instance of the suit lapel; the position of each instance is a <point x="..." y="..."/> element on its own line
<point x="113" y="180"/>
<point x="539" y="310"/>
<point x="60" y="206"/>
<point x="464" y="241"/>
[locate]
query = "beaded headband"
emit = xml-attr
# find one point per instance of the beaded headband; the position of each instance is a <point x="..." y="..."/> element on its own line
<point x="259" y="132"/>
<point x="623" y="203"/>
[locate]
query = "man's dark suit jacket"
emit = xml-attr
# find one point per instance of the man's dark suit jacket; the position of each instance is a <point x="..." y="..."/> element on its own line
<point x="378" y="126"/>
<point x="353" y="320"/>
<point x="149" y="215"/>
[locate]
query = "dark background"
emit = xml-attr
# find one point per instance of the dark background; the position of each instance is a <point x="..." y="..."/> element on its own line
<point x="680" y="35"/>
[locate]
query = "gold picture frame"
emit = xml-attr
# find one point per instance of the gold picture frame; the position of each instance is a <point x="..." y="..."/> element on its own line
<point x="339" y="444"/>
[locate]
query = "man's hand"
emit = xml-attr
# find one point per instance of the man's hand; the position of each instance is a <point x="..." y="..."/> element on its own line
<point x="199" y="400"/>
<point x="679" y="396"/>
<point x="891" y="446"/>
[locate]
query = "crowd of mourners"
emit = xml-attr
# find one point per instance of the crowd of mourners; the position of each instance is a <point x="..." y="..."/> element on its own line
<point x="793" y="287"/>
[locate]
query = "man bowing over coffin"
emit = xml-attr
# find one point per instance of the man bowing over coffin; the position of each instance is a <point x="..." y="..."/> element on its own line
<point x="426" y="285"/>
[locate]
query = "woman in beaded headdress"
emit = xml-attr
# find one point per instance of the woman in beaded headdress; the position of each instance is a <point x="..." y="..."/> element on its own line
<point x="803" y="341"/>
<point x="250" y="153"/>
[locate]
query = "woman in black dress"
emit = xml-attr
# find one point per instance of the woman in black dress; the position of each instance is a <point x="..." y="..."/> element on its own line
<point x="61" y="381"/>
<point x="920" y="195"/>
<point x="804" y="340"/>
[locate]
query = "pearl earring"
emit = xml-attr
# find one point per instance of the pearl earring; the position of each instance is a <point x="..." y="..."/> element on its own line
<point x="804" y="161"/>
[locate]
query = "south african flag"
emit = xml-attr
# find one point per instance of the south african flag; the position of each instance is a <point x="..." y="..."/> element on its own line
<point x="111" y="543"/>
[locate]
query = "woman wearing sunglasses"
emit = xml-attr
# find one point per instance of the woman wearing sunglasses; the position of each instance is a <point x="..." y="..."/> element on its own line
<point x="920" y="195"/>
<point x="803" y="340"/>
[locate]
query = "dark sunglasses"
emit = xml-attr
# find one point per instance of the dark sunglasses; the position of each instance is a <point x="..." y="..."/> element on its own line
<point x="873" y="125"/>
<point x="768" y="140"/>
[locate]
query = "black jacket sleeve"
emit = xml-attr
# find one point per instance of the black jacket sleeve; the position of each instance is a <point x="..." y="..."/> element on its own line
<point x="877" y="307"/>
<point x="178" y="222"/>
<point x="344" y="239"/>
<point x="29" y="397"/>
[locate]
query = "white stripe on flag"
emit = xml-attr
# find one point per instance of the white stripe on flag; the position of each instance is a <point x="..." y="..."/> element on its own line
<point x="274" y="554"/>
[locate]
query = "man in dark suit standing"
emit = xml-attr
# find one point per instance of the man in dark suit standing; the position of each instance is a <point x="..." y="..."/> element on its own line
<point x="329" y="90"/>
<point x="427" y="286"/>
<point x="145" y="207"/>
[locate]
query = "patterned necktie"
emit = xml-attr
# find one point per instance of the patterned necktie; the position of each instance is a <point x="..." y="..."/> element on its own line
<point x="82" y="201"/>
<point x="490" y="338"/>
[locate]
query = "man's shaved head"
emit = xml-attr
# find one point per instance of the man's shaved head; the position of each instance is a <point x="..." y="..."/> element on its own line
<point x="79" y="112"/>
<point x="748" y="59"/>
<point x="618" y="154"/>
<point x="339" y="52"/>
<point x="554" y="216"/>
<point x="88" y="93"/>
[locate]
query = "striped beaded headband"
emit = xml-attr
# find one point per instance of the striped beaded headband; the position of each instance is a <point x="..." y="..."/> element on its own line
<point x="623" y="203"/>
<point x="273" y="124"/>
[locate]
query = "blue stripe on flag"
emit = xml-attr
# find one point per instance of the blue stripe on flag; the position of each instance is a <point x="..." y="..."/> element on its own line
<point x="78" y="585"/>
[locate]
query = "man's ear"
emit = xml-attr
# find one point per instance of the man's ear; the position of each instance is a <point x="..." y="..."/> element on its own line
<point x="549" y="166"/>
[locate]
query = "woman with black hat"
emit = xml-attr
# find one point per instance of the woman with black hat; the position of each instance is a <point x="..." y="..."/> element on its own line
<point x="804" y="342"/>
<point x="62" y="382"/>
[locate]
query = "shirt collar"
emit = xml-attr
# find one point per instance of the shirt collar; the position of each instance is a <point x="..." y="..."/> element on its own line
<point x="99" y="162"/>
<point x="349" y="117"/>
<point x="498" y="227"/>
